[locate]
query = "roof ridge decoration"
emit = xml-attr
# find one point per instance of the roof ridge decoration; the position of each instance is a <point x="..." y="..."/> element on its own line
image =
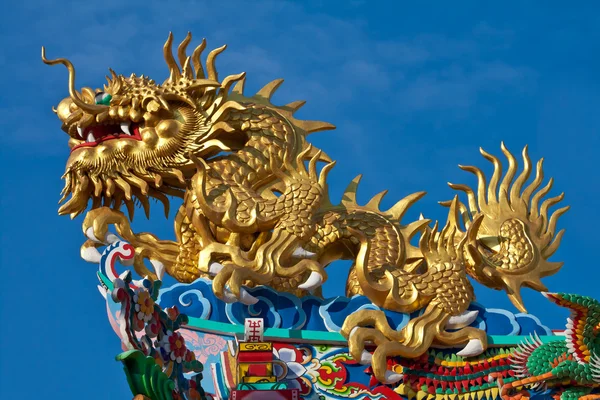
<point x="257" y="213"/>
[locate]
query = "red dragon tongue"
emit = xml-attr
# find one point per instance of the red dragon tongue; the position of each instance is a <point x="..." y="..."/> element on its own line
<point x="94" y="135"/>
<point x="98" y="132"/>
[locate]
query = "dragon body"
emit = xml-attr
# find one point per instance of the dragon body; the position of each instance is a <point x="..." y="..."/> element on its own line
<point x="570" y="367"/>
<point x="256" y="208"/>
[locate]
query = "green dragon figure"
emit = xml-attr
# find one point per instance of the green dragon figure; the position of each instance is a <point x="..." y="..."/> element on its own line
<point x="571" y="366"/>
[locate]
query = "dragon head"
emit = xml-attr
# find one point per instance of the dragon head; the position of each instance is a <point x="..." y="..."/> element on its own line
<point x="132" y="139"/>
<point x="516" y="235"/>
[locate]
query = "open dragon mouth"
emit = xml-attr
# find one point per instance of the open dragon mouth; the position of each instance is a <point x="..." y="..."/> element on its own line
<point x="94" y="135"/>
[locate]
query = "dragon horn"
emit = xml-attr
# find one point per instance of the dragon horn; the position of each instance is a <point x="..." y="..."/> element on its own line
<point x="90" y="108"/>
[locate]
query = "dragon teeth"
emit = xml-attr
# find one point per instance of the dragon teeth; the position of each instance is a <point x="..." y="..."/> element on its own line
<point x="90" y="137"/>
<point x="80" y="132"/>
<point x="125" y="128"/>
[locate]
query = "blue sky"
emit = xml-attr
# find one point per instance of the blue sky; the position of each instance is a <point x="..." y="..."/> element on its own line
<point x="413" y="90"/>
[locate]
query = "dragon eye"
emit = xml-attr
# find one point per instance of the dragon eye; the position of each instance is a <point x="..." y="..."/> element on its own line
<point x="103" y="98"/>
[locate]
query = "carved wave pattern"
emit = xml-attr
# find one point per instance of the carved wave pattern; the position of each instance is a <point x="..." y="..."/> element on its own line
<point x="286" y="311"/>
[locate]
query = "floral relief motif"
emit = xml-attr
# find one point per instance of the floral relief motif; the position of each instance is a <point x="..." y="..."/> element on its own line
<point x="149" y="334"/>
<point x="144" y="305"/>
<point x="173" y="347"/>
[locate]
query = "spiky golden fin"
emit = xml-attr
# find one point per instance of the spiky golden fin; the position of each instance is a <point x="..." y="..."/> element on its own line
<point x="263" y="97"/>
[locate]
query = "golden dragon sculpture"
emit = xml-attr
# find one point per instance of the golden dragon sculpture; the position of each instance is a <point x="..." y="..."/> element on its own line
<point x="256" y="209"/>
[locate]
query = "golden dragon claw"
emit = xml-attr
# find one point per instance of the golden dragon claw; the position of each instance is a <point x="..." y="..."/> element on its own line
<point x="371" y="327"/>
<point x="96" y="228"/>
